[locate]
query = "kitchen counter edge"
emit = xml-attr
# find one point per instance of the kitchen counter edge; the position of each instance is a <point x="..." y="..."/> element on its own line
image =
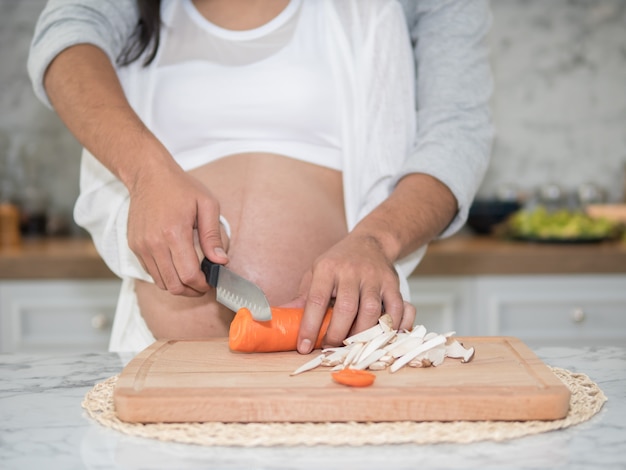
<point x="460" y="255"/>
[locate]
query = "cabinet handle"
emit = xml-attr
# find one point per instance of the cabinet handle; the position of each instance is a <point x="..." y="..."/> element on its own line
<point x="100" y="322"/>
<point x="578" y="315"/>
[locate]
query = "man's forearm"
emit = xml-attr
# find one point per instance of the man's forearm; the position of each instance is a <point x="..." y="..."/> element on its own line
<point x="417" y="211"/>
<point x="84" y="89"/>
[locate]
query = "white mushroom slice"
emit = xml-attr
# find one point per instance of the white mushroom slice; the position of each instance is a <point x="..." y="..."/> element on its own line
<point x="337" y="356"/>
<point x="387" y="359"/>
<point x="418" y="331"/>
<point x="469" y="356"/>
<point x="402" y="361"/>
<point x="386" y="322"/>
<point x="378" y="365"/>
<point x="370" y="359"/>
<point x="353" y="353"/>
<point x="375" y="344"/>
<point x="431" y="335"/>
<point x="365" y="335"/>
<point x="326" y="362"/>
<point x="420" y="361"/>
<point x="436" y="355"/>
<point x="312" y="364"/>
<point x="403" y="347"/>
<point x="457" y="351"/>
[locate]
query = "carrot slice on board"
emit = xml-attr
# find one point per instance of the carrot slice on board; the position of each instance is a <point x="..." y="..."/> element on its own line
<point x="278" y="334"/>
<point x="354" y="377"/>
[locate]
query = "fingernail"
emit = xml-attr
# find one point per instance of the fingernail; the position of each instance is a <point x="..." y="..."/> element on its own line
<point x="305" y="346"/>
<point x="220" y="252"/>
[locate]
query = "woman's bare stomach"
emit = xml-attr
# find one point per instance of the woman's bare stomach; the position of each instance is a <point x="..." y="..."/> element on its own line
<point x="283" y="214"/>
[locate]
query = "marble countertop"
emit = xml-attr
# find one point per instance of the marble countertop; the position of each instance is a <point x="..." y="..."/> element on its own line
<point x="42" y="425"/>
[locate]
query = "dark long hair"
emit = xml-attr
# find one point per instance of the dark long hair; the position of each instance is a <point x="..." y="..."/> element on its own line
<point x="146" y="36"/>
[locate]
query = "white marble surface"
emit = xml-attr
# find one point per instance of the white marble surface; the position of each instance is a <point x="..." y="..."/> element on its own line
<point x="559" y="103"/>
<point x="42" y="425"/>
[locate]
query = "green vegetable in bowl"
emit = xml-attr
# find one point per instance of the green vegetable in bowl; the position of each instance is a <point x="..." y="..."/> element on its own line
<point x="559" y="225"/>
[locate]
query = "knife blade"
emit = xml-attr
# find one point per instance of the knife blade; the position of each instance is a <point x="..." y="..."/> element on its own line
<point x="235" y="292"/>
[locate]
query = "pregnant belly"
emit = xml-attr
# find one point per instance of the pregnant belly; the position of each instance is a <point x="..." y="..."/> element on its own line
<point x="283" y="214"/>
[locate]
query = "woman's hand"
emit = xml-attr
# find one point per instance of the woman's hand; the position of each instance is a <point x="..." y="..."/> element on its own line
<point x="356" y="275"/>
<point x="167" y="208"/>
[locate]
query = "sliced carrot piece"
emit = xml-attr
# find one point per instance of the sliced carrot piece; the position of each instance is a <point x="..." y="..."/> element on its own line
<point x="278" y="334"/>
<point x="354" y="377"/>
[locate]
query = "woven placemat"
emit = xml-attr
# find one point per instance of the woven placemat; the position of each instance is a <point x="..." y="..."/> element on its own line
<point x="586" y="400"/>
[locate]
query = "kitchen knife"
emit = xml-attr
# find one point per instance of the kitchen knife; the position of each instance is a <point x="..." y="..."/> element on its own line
<point x="235" y="292"/>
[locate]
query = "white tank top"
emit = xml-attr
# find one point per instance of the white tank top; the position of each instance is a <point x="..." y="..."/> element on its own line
<point x="220" y="92"/>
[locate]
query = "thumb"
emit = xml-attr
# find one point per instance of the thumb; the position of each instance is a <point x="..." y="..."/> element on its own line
<point x="210" y="236"/>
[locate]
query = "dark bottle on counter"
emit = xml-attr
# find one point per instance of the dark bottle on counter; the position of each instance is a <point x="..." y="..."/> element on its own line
<point x="33" y="215"/>
<point x="33" y="205"/>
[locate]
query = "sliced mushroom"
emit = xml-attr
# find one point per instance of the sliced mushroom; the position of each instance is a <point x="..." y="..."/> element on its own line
<point x="378" y="365"/>
<point x="419" y="331"/>
<point x="353" y="353"/>
<point x="431" y="343"/>
<point x="312" y="364"/>
<point x="420" y="361"/>
<point x="380" y="347"/>
<point x="402" y="347"/>
<point x="370" y="359"/>
<point x="375" y="344"/>
<point x="386" y="322"/>
<point x="456" y="350"/>
<point x="436" y="355"/>
<point x="364" y="335"/>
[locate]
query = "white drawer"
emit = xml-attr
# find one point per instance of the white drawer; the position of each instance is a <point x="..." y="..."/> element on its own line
<point x="563" y="310"/>
<point x="57" y="315"/>
<point x="443" y="304"/>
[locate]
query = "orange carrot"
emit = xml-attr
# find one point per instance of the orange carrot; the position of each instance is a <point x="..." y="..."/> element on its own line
<point x="354" y="377"/>
<point x="278" y="334"/>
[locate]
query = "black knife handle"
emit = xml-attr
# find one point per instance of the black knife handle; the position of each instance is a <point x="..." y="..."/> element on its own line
<point x="211" y="270"/>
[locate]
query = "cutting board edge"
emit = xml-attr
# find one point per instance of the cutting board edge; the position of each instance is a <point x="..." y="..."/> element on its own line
<point x="141" y="410"/>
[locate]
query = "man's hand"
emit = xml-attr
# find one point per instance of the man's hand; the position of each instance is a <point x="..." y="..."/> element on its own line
<point x="362" y="283"/>
<point x="358" y="272"/>
<point x="167" y="206"/>
<point x="166" y="209"/>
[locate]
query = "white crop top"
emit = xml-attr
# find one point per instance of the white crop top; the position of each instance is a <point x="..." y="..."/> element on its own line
<point x="221" y="92"/>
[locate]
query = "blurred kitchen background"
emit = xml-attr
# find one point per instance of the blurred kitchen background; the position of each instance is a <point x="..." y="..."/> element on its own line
<point x="559" y="105"/>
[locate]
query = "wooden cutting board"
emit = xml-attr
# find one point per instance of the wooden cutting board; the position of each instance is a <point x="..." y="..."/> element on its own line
<point x="201" y="381"/>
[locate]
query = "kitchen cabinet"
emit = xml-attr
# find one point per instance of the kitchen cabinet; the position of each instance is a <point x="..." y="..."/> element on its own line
<point x="542" y="310"/>
<point x="443" y="303"/>
<point x="57" y="294"/>
<point x="67" y="315"/>
<point x="554" y="310"/>
<point x="566" y="310"/>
